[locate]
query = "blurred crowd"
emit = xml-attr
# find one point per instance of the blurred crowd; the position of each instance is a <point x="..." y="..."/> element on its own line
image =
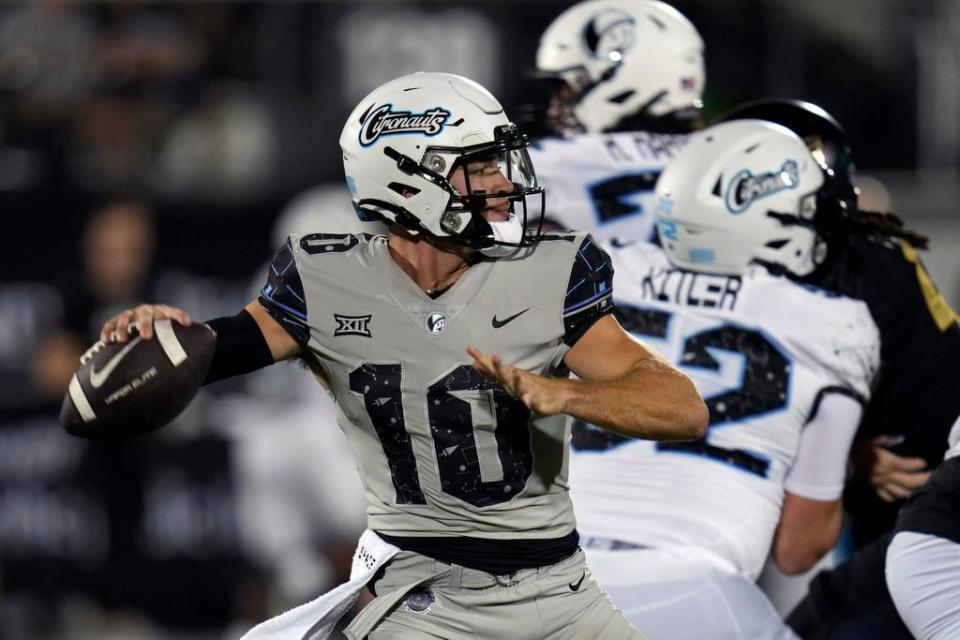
<point x="117" y="95"/>
<point x="162" y="151"/>
<point x="111" y="116"/>
<point x="248" y="503"/>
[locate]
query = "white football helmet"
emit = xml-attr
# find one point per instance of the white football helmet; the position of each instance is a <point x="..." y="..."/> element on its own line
<point x="623" y="58"/>
<point x="741" y="193"/>
<point x="402" y="143"/>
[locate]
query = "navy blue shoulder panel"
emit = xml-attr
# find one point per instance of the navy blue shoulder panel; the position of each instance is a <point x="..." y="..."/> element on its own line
<point x="283" y="297"/>
<point x="589" y="291"/>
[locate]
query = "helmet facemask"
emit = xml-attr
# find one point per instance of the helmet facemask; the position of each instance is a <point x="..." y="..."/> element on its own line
<point x="565" y="108"/>
<point x="464" y="220"/>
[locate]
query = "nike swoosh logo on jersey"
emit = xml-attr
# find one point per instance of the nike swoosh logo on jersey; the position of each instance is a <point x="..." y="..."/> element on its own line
<point x="499" y="323"/>
<point x="97" y="378"/>
<point x="575" y="586"/>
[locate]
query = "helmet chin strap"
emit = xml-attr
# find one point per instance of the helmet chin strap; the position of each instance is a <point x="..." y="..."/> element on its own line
<point x="507" y="236"/>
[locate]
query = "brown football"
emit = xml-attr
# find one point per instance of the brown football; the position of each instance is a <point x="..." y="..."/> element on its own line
<point x="130" y="388"/>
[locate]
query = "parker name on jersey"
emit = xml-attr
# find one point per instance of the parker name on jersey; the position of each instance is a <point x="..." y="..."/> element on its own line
<point x="764" y="352"/>
<point x="442" y="450"/>
<point x="603" y="183"/>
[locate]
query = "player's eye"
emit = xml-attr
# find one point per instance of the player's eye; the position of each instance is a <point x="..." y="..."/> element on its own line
<point x="486" y="169"/>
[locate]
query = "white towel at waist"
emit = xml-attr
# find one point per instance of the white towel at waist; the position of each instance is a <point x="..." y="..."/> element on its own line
<point x="316" y="619"/>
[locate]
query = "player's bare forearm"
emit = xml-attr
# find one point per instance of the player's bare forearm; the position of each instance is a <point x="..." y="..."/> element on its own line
<point x="625" y="386"/>
<point x="652" y="400"/>
<point x="806" y="531"/>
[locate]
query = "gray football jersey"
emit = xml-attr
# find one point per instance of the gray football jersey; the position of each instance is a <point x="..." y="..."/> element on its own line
<point x="441" y="450"/>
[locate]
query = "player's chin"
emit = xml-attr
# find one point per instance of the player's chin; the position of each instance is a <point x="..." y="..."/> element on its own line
<point x="497" y="214"/>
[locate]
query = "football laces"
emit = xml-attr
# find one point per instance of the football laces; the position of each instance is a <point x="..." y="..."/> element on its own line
<point x="92" y="351"/>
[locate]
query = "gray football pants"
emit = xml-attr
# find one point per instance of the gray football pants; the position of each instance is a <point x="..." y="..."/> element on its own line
<point x="420" y="598"/>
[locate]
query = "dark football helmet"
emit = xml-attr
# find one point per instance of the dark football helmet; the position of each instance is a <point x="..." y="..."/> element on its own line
<point x="837" y="210"/>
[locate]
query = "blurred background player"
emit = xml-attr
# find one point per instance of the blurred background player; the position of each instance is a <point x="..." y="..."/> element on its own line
<point x="672" y="528"/>
<point x="626" y="78"/>
<point x="871" y="256"/>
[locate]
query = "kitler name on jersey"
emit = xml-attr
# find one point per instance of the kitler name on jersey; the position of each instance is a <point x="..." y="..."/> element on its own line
<point x="691" y="289"/>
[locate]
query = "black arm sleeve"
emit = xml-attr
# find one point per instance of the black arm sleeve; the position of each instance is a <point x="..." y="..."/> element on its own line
<point x="241" y="347"/>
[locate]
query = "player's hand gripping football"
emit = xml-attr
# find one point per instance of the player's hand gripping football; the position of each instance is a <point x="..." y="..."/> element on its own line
<point x="540" y="394"/>
<point x="119" y="327"/>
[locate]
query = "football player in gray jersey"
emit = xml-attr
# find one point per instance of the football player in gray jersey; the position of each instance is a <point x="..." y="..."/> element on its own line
<point x="462" y="449"/>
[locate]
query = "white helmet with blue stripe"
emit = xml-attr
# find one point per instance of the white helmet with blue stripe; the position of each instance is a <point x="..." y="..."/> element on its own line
<point x="402" y="143"/>
<point x="740" y="193"/>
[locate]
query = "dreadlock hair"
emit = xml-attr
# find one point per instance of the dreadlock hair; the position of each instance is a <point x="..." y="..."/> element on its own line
<point x="839" y="219"/>
<point x="883" y="225"/>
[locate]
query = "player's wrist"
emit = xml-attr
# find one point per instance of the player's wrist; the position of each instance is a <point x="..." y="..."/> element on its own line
<point x="573" y="397"/>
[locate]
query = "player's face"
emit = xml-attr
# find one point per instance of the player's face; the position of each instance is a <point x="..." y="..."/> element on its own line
<point x="560" y="110"/>
<point x="485" y="176"/>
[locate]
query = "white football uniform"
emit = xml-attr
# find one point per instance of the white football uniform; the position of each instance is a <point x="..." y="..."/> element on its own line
<point x="603" y="183"/>
<point x="784" y="370"/>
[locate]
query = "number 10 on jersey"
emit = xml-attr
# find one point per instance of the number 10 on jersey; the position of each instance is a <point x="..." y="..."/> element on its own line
<point x="481" y="437"/>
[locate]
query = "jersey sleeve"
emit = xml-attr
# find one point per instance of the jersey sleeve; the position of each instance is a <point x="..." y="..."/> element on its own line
<point x="282" y="295"/>
<point x="819" y="470"/>
<point x="849" y="348"/>
<point x="953" y="441"/>
<point x="589" y="294"/>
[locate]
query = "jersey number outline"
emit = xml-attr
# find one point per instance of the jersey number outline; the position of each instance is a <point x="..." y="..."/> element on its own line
<point x="479" y="459"/>
<point x="609" y="196"/>
<point x="764" y="386"/>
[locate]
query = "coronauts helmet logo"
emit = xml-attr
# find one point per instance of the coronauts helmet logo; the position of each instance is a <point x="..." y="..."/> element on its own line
<point x="384" y="121"/>
<point x="609" y="35"/>
<point x="746" y="188"/>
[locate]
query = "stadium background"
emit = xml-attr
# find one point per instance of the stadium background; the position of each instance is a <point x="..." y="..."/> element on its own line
<point x="205" y="121"/>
